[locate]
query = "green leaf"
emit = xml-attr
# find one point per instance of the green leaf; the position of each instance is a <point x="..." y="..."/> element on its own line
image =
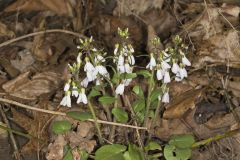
<point x="81" y="116"/>
<point x="168" y="152"/>
<point x="60" y="127"/>
<point x="126" y="156"/>
<point x="154" y="95"/>
<point x="120" y="114"/>
<point x="107" y="99"/>
<point x="183" y="154"/>
<point x="134" y="152"/>
<point x="182" y="141"/>
<point x="138" y="91"/>
<point x="144" y="73"/>
<point x="152" y="146"/>
<point x="140" y="116"/>
<point x="94" y="93"/>
<point x="128" y="75"/>
<point x="84" y="155"/>
<point x="110" y="152"/>
<point x="67" y="153"/>
<point x="115" y="79"/>
<point x="139" y="105"/>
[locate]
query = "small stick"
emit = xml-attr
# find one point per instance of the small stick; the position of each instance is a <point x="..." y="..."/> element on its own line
<point x="14" y="144"/>
<point x="41" y="32"/>
<point x="64" y="114"/>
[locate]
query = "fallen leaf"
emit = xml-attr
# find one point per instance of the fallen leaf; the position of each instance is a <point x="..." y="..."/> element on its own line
<point x="181" y="104"/>
<point x="4" y="31"/>
<point x="30" y="89"/>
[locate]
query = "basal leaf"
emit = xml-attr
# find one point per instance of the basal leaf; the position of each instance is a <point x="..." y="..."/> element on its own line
<point x="182" y="141"/>
<point x="168" y="152"/>
<point x="183" y="154"/>
<point x="135" y="153"/>
<point x="152" y="146"/>
<point x="81" y="116"/>
<point x="110" y="152"/>
<point x="60" y="127"/>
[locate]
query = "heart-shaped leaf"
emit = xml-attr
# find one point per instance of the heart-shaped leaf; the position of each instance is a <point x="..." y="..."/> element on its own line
<point x="182" y="141"/>
<point x="110" y="152"/>
<point x="60" y="127"/>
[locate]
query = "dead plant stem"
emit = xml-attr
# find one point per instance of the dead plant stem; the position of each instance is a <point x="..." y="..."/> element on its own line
<point x="64" y="114"/>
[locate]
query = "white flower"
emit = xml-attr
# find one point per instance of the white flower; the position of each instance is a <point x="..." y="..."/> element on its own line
<point x="127" y="81"/>
<point x="92" y="75"/>
<point x="131" y="59"/>
<point x="120" y="89"/>
<point x="182" y="73"/>
<point x="116" y="49"/>
<point x="130" y="48"/>
<point x="165" y="98"/>
<point x="165" y="65"/>
<point x="102" y="70"/>
<point x="75" y="91"/>
<point x="94" y="49"/>
<point x="125" y="51"/>
<point x="67" y="86"/>
<point x="186" y="61"/>
<point x="175" y="68"/>
<point x="120" y="60"/>
<point x="127" y="67"/>
<point x="89" y="67"/>
<point x="159" y="74"/>
<point x="98" y="82"/>
<point x="121" y="69"/>
<point x="167" y="78"/>
<point x="66" y="101"/>
<point x="84" y="82"/>
<point x="79" y="59"/>
<point x="99" y="58"/>
<point x="178" y="78"/>
<point x="82" y="97"/>
<point x="152" y="63"/>
<point x="159" y="98"/>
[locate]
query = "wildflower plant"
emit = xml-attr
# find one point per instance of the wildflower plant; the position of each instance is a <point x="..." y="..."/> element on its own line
<point x="96" y="75"/>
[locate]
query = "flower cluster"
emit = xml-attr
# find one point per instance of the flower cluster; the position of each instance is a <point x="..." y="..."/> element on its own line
<point x="94" y="69"/>
<point x="167" y="61"/>
<point x="124" y="60"/>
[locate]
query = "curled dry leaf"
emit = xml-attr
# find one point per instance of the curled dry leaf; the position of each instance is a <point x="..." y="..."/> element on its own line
<point x="181" y="104"/>
<point x="30" y="89"/>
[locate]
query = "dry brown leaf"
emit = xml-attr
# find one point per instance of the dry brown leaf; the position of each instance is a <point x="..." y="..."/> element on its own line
<point x="219" y="49"/>
<point x="4" y="31"/>
<point x="206" y="25"/>
<point x="60" y="7"/>
<point x="136" y="6"/>
<point x="55" y="150"/>
<point x="40" y="84"/>
<point x="25" y="61"/>
<point x="181" y="104"/>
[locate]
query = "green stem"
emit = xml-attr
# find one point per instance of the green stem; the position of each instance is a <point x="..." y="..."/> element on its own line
<point x="216" y="138"/>
<point x="95" y="121"/>
<point x="148" y="103"/>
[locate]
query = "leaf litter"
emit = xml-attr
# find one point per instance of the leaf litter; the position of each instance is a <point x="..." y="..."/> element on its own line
<point x="33" y="71"/>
